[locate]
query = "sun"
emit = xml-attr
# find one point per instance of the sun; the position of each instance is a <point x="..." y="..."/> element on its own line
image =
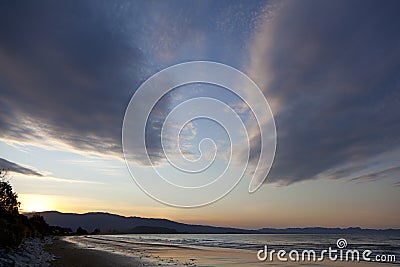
<point x="35" y="203"/>
<point x="34" y="207"/>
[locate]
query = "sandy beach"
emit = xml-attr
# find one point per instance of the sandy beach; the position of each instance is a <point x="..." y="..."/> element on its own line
<point x="69" y="254"/>
<point x="89" y="251"/>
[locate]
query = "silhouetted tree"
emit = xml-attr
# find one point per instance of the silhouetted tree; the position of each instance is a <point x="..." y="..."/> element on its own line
<point x="39" y="225"/>
<point x="57" y="230"/>
<point x="15" y="227"/>
<point x="8" y="199"/>
<point x="81" y="231"/>
<point x="12" y="228"/>
<point x="96" y="231"/>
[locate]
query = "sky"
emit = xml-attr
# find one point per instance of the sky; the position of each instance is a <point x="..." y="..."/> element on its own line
<point x="330" y="71"/>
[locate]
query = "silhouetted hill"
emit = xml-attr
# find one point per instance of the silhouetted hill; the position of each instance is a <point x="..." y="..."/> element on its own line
<point x="111" y="223"/>
<point x="152" y="230"/>
<point x="322" y="230"/>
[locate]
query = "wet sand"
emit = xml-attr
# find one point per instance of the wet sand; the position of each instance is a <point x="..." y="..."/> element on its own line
<point x="242" y="258"/>
<point x="89" y="251"/>
<point x="71" y="255"/>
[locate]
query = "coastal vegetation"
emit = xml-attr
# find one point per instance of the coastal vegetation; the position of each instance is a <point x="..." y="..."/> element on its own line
<point x="16" y="227"/>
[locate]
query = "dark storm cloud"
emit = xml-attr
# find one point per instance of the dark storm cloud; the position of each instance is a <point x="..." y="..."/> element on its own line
<point x="67" y="69"/>
<point x="334" y="70"/>
<point x="14" y="167"/>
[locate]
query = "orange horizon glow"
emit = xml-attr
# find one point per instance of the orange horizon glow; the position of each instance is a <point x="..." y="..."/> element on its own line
<point x="41" y="203"/>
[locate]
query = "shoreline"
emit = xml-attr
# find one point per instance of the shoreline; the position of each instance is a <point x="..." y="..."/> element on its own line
<point x="67" y="253"/>
<point x="86" y="251"/>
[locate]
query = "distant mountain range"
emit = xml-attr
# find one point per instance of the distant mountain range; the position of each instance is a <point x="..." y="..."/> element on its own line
<point x="112" y="223"/>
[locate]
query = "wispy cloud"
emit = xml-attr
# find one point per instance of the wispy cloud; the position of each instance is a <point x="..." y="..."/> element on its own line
<point x="65" y="180"/>
<point x="330" y="71"/>
<point x="378" y="175"/>
<point x="14" y="167"/>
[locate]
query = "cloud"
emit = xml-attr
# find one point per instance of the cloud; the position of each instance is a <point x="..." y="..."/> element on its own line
<point x="377" y="175"/>
<point x="14" y="167"/>
<point x="68" y="70"/>
<point x="66" y="73"/>
<point x="65" y="181"/>
<point x="331" y="73"/>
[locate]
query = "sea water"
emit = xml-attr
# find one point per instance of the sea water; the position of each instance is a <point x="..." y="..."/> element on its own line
<point x="379" y="244"/>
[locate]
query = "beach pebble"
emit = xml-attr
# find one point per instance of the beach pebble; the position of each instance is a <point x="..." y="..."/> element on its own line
<point x="30" y="254"/>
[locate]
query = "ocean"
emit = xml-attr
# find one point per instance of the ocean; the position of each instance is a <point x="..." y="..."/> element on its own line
<point x="156" y="246"/>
